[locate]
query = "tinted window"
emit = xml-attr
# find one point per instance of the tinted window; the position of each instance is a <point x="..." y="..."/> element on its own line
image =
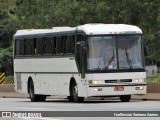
<point x="28" y="47"/>
<point x="19" y="50"/>
<point x="39" y="46"/>
<point x="80" y="38"/>
<point x="48" y="45"/>
<point x="70" y="44"/>
<point x="54" y="45"/>
<point x="59" y="45"/>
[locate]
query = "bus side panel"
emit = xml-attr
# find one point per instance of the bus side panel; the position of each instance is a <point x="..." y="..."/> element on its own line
<point x="58" y="84"/>
<point x="51" y="76"/>
<point x="52" y="84"/>
<point x="21" y="82"/>
<point x="45" y="65"/>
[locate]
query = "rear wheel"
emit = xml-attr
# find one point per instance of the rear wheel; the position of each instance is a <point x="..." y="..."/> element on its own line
<point x="33" y="96"/>
<point x="74" y="94"/>
<point x="70" y="98"/>
<point x="125" y="98"/>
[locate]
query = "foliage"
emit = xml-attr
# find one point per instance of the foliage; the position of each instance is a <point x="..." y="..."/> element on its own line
<point x="145" y="14"/>
<point x="6" y="59"/>
<point x="4" y="36"/>
<point x="7" y="23"/>
<point x="8" y="79"/>
<point x="29" y="14"/>
<point x="153" y="80"/>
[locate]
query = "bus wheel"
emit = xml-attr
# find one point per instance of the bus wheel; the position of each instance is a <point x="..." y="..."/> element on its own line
<point x="41" y="98"/>
<point x="70" y="98"/>
<point x="74" y="90"/>
<point x="32" y="95"/>
<point x="31" y="91"/>
<point x="125" y="98"/>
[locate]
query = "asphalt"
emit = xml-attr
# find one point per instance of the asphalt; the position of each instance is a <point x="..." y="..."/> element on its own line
<point x="147" y="97"/>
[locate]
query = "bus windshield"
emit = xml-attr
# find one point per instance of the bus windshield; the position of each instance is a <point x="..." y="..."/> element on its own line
<point x="114" y="52"/>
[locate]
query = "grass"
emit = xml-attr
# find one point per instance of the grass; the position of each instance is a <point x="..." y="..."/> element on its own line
<point x="8" y="79"/>
<point x="153" y="79"/>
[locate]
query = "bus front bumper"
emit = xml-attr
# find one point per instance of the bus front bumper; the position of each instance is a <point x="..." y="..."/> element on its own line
<point x="116" y="89"/>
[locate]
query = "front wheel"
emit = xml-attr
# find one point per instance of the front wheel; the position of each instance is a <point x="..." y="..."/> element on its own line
<point x="70" y="98"/>
<point x="74" y="94"/>
<point x="125" y="98"/>
<point x="33" y="97"/>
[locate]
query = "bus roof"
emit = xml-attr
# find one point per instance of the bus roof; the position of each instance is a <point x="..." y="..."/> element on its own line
<point x="35" y="32"/>
<point x="89" y="29"/>
<point x="109" y="29"/>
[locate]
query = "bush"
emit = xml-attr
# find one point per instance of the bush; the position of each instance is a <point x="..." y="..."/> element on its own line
<point x="9" y="79"/>
<point x="153" y="80"/>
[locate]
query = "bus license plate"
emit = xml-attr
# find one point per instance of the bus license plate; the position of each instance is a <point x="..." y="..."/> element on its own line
<point x="118" y="88"/>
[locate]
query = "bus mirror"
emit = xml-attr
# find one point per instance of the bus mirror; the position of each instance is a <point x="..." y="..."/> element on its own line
<point x="146" y="50"/>
<point x="83" y="48"/>
<point x="82" y="43"/>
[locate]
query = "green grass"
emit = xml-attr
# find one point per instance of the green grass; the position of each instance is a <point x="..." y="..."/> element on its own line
<point x="153" y="79"/>
<point x="8" y="79"/>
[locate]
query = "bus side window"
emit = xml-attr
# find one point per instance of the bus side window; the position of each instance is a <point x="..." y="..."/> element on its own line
<point x="59" y="45"/>
<point x="48" y="45"/>
<point x="28" y="48"/>
<point x="54" y="45"/>
<point x="19" y="50"/>
<point x="64" y="45"/>
<point x="39" y="46"/>
<point x="80" y="37"/>
<point x="70" y="44"/>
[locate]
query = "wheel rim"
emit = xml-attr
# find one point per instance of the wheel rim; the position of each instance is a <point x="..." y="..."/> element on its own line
<point x="75" y="92"/>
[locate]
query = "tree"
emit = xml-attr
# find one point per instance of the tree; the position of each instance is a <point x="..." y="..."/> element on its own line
<point x="47" y="14"/>
<point x="6" y="59"/>
<point x="8" y="26"/>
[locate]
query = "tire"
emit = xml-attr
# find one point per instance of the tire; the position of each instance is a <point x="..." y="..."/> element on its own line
<point x="74" y="94"/>
<point x="41" y="98"/>
<point x="125" y="98"/>
<point x="33" y="96"/>
<point x="70" y="98"/>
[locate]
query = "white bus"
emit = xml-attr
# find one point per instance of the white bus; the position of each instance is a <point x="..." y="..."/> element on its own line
<point x="92" y="60"/>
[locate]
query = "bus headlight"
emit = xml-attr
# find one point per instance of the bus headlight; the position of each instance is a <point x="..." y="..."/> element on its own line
<point x="95" y="81"/>
<point x="139" y="80"/>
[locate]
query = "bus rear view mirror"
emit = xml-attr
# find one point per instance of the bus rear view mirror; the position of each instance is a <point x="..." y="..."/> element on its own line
<point x="82" y="43"/>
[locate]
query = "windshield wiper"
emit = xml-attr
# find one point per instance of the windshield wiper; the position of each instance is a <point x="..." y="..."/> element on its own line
<point x="128" y="60"/>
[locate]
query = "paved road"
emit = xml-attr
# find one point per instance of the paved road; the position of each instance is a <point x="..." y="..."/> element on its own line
<point x="24" y="104"/>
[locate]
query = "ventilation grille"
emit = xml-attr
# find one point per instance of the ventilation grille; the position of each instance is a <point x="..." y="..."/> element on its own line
<point x="121" y="81"/>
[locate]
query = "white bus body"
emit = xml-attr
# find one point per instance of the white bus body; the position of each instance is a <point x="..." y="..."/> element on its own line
<point x="44" y="67"/>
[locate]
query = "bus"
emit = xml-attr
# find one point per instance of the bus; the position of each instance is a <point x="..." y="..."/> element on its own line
<point x="91" y="60"/>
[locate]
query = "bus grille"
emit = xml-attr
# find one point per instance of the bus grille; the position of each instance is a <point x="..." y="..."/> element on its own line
<point x="121" y="81"/>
